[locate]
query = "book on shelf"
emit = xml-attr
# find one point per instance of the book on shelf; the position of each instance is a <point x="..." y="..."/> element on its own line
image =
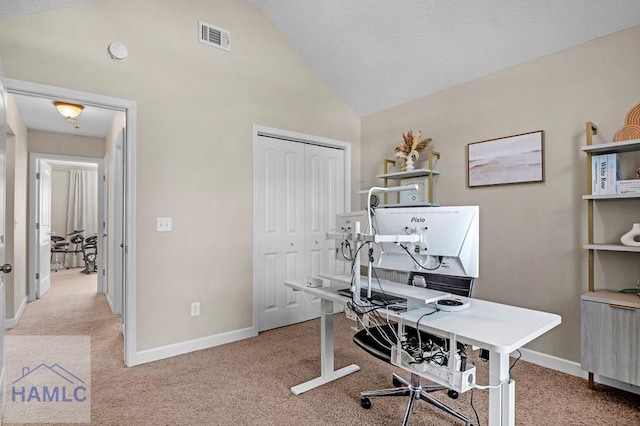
<point x="606" y="173"/>
<point x="594" y="175"/>
<point x="628" y="182"/>
<point x="602" y="174"/>
<point x="631" y="186"/>
<point x="613" y="172"/>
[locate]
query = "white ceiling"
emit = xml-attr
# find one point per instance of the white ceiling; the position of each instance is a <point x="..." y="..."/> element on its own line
<point x="41" y="114"/>
<point x="381" y="53"/>
<point x="27" y="7"/>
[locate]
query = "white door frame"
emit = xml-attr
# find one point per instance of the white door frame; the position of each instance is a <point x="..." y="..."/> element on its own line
<point x="303" y="138"/>
<point x="34" y="214"/>
<point x="129" y="108"/>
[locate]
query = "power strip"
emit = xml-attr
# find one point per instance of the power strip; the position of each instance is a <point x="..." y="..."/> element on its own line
<point x="460" y="381"/>
<point x="350" y="314"/>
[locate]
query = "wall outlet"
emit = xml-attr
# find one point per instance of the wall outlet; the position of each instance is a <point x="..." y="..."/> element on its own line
<point x="195" y="309"/>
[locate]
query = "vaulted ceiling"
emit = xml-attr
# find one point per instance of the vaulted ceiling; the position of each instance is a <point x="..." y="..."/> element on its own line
<point x="381" y="53"/>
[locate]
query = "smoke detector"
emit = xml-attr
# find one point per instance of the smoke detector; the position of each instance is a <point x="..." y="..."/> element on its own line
<point x="118" y="51"/>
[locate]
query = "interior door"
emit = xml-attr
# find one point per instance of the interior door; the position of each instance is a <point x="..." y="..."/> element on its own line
<point x="279" y="231"/>
<point x="118" y="227"/>
<point x="103" y="279"/>
<point x="324" y="194"/>
<point x="43" y="228"/>
<point x="5" y="268"/>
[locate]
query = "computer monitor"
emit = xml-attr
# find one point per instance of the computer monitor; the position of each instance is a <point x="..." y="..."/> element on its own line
<point x="448" y="240"/>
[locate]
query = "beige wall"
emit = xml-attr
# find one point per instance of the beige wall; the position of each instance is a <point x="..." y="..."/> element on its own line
<point x="16" y="211"/>
<point x="61" y="144"/>
<point x="196" y="107"/>
<point x="531" y="234"/>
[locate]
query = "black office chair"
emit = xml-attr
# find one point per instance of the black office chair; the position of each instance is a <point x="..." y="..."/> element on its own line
<point x="374" y="341"/>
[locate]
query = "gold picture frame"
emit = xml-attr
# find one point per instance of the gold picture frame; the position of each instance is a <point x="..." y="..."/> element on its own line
<point x="507" y="160"/>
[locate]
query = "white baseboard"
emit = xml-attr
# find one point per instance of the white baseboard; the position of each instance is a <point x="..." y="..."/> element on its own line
<point x="13" y="322"/>
<point x="110" y="303"/>
<point x="573" y="368"/>
<point x="181" y="348"/>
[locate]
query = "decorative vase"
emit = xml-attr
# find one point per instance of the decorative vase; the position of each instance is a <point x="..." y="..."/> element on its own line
<point x="632" y="238"/>
<point x="408" y="164"/>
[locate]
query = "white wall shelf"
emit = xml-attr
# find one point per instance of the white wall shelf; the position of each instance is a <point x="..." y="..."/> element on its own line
<point x="611" y="247"/>
<point x="413" y="176"/>
<point x="407" y="175"/>
<point x="610" y="197"/>
<point x="613" y="147"/>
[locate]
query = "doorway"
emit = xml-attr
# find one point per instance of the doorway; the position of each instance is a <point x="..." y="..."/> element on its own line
<point x="67" y="207"/>
<point x="126" y="217"/>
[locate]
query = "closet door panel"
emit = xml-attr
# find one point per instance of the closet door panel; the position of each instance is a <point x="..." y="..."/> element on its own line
<point x="267" y="239"/>
<point x="325" y="191"/>
<point x="279" y="238"/>
<point x="315" y="208"/>
<point x="293" y="243"/>
<point x="335" y="204"/>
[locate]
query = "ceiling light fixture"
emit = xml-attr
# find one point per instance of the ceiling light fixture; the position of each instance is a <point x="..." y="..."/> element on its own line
<point x="68" y="110"/>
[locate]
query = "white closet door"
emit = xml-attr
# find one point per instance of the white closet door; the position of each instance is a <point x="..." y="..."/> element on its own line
<point x="324" y="183"/>
<point x="279" y="234"/>
<point x="298" y="190"/>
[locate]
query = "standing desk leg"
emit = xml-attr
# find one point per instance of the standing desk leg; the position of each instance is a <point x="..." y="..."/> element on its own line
<point x="501" y="399"/>
<point x="327" y="373"/>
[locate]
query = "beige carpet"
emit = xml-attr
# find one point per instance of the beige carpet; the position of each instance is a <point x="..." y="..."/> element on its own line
<point x="247" y="382"/>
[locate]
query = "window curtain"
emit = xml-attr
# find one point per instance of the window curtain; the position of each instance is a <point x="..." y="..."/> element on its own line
<point x="83" y="208"/>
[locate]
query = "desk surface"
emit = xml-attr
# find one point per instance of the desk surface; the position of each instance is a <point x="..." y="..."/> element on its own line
<point x="392" y="288"/>
<point x="493" y="326"/>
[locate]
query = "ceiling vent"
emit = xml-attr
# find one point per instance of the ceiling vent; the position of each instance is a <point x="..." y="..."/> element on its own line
<point x="214" y="36"/>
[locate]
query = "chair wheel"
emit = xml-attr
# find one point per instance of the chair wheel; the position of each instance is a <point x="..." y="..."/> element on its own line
<point x="453" y="394"/>
<point x="365" y="403"/>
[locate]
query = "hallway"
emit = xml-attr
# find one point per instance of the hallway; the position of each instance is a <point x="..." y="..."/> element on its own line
<point x="72" y="307"/>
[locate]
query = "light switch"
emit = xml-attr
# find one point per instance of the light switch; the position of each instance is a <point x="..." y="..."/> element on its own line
<point x="163" y="224"/>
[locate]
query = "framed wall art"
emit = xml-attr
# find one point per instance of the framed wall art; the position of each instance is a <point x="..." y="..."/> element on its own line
<point x="507" y="160"/>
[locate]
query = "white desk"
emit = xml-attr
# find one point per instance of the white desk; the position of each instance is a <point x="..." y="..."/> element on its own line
<point x="501" y="329"/>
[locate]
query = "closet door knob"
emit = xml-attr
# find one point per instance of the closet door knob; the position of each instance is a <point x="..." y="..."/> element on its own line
<point x="292" y="243"/>
<point x="6" y="268"/>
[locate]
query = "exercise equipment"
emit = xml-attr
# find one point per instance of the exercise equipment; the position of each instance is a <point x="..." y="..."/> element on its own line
<point x="89" y="254"/>
<point x="59" y="245"/>
<point x="75" y="243"/>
